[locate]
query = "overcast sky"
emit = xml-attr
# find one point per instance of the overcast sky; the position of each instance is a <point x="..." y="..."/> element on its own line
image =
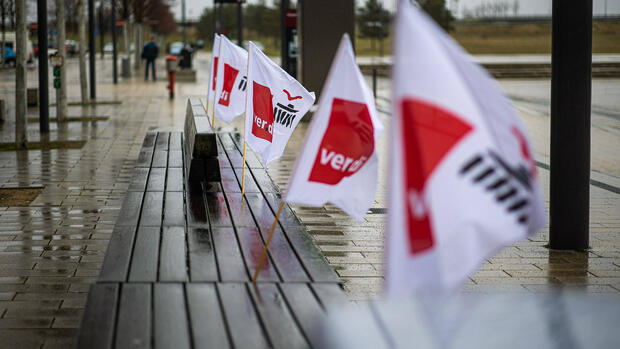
<point x="526" y="7"/>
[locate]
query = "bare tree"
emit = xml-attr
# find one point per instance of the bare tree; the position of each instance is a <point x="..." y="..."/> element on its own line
<point x="20" y="75"/>
<point x="82" y="53"/>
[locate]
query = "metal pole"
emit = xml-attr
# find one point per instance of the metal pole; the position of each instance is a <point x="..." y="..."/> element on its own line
<point x="374" y="82"/>
<point x="91" y="47"/>
<point x="183" y="22"/>
<point x="101" y="29"/>
<point x="221" y="14"/>
<point x="21" y="134"/>
<point x="44" y="111"/>
<point x="284" y="46"/>
<point x="239" y="24"/>
<point x="114" y="44"/>
<point x="215" y="28"/>
<point x="571" y="69"/>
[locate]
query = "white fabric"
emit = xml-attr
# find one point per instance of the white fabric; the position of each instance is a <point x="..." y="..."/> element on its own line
<point x="213" y="68"/>
<point x="450" y="109"/>
<point x="338" y="162"/>
<point x="269" y="126"/>
<point x="215" y="52"/>
<point x="230" y="87"/>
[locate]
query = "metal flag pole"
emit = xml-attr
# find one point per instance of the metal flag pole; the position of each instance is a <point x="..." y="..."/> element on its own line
<point x="263" y="255"/>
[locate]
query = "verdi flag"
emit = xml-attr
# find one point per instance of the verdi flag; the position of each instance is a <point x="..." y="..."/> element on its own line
<point x="213" y="71"/>
<point x="231" y="81"/>
<point x="463" y="181"/>
<point x="338" y="162"/>
<point x="276" y="103"/>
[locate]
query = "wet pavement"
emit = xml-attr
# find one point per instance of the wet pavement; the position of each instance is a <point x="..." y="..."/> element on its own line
<point x="51" y="250"/>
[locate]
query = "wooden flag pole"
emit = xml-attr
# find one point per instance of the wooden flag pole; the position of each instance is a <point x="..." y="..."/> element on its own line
<point x="245" y="144"/>
<point x="263" y="255"/>
<point x="213" y="116"/>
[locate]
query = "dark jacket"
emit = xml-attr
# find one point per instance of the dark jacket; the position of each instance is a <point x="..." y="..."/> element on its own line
<point x="150" y="51"/>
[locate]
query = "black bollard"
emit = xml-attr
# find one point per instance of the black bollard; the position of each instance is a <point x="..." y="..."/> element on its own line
<point x="91" y="48"/>
<point x="44" y="112"/>
<point x="571" y="69"/>
<point x="374" y="82"/>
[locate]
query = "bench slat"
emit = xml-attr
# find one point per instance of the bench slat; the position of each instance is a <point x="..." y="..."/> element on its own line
<point x="282" y="253"/>
<point x="175" y="141"/>
<point x="251" y="247"/>
<point x="171" y="327"/>
<point x="311" y="256"/>
<point x="329" y="294"/>
<point x="133" y="329"/>
<point x="138" y="179"/>
<point x="305" y="308"/>
<point x="241" y="317"/>
<point x="229" y="258"/>
<point x="172" y="259"/>
<point x="149" y="140"/>
<point x="116" y="263"/>
<point x="152" y="209"/>
<point x="264" y="181"/>
<point x="145" y="157"/>
<point x="160" y="159"/>
<point x="240" y="213"/>
<point x="287" y="217"/>
<point x="218" y="210"/>
<point x="175" y="158"/>
<point x="145" y="256"/>
<point x="130" y="211"/>
<point x="250" y="183"/>
<point x="97" y="327"/>
<point x="174" y="210"/>
<point x="195" y="209"/>
<point x="202" y="265"/>
<point x="157" y="179"/>
<point x="207" y="320"/>
<point x="174" y="180"/>
<point x="276" y="317"/>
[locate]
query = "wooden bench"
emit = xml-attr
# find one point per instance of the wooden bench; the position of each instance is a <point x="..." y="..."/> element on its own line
<point x="178" y="266"/>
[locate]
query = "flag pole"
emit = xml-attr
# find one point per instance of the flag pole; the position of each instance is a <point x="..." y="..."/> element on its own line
<point x="263" y="255"/>
<point x="243" y="176"/>
<point x="213" y="116"/>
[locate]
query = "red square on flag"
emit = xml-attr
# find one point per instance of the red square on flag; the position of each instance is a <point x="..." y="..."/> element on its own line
<point x="230" y="74"/>
<point x="262" y="120"/>
<point x="347" y="144"/>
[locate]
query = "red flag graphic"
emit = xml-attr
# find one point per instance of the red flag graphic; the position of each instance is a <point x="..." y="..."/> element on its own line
<point x="214" y="72"/>
<point x="230" y="74"/>
<point x="262" y="125"/>
<point x="428" y="133"/>
<point x="347" y="144"/>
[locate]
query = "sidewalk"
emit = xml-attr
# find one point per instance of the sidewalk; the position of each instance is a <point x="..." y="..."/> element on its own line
<point x="51" y="250"/>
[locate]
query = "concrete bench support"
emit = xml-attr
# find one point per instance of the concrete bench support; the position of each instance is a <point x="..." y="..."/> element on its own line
<point x="201" y="162"/>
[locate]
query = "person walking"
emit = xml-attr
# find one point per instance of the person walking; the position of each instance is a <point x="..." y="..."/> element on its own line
<point x="150" y="52"/>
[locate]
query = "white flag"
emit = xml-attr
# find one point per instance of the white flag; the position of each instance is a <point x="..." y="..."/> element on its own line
<point x="276" y="102"/>
<point x="463" y="181"/>
<point x="338" y="162"/>
<point x="213" y="73"/>
<point x="231" y="81"/>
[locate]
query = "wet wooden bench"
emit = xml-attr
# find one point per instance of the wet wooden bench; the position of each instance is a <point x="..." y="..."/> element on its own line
<point x="178" y="267"/>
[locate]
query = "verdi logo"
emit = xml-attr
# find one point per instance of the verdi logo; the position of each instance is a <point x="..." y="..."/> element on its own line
<point x="347" y="144"/>
<point x="262" y="120"/>
<point x="429" y="133"/>
<point x="230" y="74"/>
